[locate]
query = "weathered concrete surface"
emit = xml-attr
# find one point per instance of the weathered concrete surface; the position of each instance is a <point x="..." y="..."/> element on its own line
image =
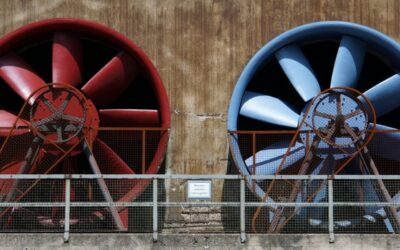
<point x="137" y="241"/>
<point x="200" y="48"/>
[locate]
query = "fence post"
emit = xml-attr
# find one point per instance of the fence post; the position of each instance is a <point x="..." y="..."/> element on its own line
<point x="155" y="210"/>
<point x="242" y="211"/>
<point x="67" y="208"/>
<point x="330" y="212"/>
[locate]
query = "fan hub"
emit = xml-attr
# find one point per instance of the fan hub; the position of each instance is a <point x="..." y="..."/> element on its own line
<point x="61" y="114"/>
<point x="337" y="119"/>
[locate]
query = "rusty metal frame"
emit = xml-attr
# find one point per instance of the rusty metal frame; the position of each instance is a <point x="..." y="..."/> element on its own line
<point x="87" y="132"/>
<point x="369" y="134"/>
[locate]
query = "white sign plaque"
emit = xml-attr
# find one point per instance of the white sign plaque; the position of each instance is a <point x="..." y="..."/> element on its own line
<point x="199" y="189"/>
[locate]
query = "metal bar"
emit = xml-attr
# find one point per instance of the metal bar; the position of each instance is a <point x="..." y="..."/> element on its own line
<point x="67" y="209"/>
<point x="155" y="210"/>
<point x="31" y="204"/>
<point x="254" y="157"/>
<point x="130" y="129"/>
<point x="170" y="204"/>
<point x="117" y="176"/>
<point x="189" y="177"/>
<point x="330" y="211"/>
<point x="242" y="211"/>
<point x="265" y="132"/>
<point x="366" y="177"/>
<point x="103" y="187"/>
<point x="144" y="152"/>
<point x="201" y="204"/>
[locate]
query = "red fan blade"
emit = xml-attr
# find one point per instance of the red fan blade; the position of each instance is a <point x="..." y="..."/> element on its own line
<point x="107" y="84"/>
<point x="126" y="190"/>
<point x="19" y="76"/>
<point x="7" y="121"/>
<point x="109" y="161"/>
<point x="6" y="185"/>
<point x="129" y="118"/>
<point x="67" y="59"/>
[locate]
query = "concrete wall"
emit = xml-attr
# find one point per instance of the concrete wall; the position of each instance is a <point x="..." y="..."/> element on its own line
<point x="200" y="48"/>
<point x="130" y="241"/>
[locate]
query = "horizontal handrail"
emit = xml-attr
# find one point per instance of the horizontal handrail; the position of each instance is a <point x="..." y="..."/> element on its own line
<point x="197" y="177"/>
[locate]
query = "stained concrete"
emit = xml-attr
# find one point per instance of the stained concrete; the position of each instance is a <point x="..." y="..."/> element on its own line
<point x="215" y="241"/>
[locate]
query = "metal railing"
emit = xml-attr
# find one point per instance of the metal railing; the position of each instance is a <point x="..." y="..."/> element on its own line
<point x="237" y="205"/>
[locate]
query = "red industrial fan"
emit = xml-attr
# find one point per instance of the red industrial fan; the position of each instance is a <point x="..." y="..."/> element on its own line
<point x="77" y="98"/>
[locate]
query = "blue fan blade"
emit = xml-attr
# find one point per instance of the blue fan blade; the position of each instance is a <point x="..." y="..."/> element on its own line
<point x="370" y="195"/>
<point x="348" y="63"/>
<point x="382" y="213"/>
<point x="299" y="199"/>
<point x="298" y="71"/>
<point x="322" y="169"/>
<point x="268" y="109"/>
<point x="385" y="144"/>
<point x="316" y="214"/>
<point x="385" y="95"/>
<point x="269" y="159"/>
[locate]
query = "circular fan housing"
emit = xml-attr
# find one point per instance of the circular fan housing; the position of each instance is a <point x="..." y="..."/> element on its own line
<point x="64" y="78"/>
<point x="277" y="86"/>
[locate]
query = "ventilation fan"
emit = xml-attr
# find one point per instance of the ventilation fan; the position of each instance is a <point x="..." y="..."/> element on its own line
<point x="317" y="91"/>
<point x="77" y="98"/>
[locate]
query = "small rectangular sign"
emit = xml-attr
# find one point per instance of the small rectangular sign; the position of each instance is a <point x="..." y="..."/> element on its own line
<point x="199" y="189"/>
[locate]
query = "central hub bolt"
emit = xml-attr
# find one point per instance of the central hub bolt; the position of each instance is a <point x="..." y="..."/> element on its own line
<point x="336" y="118"/>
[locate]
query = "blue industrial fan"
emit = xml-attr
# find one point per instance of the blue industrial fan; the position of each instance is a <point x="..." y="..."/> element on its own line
<point x="281" y="87"/>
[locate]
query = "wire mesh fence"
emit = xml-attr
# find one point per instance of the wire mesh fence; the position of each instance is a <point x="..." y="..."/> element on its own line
<point x="364" y="205"/>
<point x="75" y="203"/>
<point x="94" y="205"/>
<point x="283" y="186"/>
